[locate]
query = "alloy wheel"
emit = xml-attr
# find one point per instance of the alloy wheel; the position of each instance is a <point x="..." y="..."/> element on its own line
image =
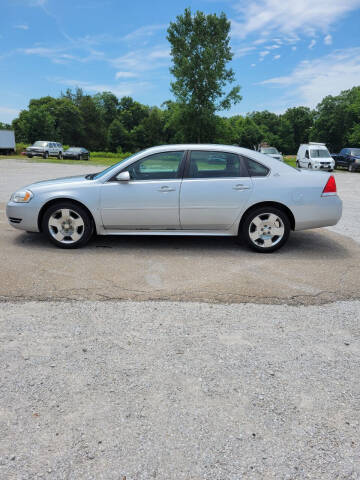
<point x="266" y="230"/>
<point x="66" y="226"/>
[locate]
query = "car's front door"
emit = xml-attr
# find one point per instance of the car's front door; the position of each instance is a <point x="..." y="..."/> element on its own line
<point x="149" y="200"/>
<point x="214" y="191"/>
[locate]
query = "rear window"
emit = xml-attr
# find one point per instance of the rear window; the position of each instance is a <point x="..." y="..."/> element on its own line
<point x="256" y="169"/>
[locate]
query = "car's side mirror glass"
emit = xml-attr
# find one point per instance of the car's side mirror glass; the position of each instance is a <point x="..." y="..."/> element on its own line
<point x="123" y="176"/>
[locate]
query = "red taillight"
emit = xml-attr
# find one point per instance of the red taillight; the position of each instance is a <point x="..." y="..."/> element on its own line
<point x="330" y="187"/>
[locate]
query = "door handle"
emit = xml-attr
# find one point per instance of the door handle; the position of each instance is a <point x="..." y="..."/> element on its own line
<point x="165" y="189"/>
<point x="240" y="186"/>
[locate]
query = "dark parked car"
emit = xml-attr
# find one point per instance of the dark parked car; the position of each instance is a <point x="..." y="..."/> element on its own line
<point x="78" y="153"/>
<point x="348" y="158"/>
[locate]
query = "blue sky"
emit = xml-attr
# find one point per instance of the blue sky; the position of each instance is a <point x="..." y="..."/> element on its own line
<point x="285" y="53"/>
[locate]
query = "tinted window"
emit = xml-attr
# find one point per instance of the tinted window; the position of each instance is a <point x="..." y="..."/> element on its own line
<point x="256" y="169"/>
<point x="355" y="152"/>
<point x="213" y="165"/>
<point x="307" y="154"/>
<point x="159" y="166"/>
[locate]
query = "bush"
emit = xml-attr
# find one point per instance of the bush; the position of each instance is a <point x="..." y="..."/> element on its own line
<point x="116" y="156"/>
<point x="20" y="147"/>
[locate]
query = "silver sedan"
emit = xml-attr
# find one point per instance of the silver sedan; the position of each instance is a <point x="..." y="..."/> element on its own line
<point x="181" y="190"/>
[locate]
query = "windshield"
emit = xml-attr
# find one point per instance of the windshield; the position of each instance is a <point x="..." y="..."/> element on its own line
<point x="40" y="144"/>
<point x="269" y="150"/>
<point x="355" y="152"/>
<point x="73" y="149"/>
<point x="319" y="153"/>
<point x="104" y="172"/>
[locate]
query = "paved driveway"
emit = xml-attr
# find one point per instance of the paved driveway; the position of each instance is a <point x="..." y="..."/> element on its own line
<point x="316" y="266"/>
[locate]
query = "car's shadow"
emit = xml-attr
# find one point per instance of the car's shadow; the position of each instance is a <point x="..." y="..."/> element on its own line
<point x="311" y="243"/>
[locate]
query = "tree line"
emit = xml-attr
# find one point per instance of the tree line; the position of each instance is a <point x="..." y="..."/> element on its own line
<point x="103" y="122"/>
<point x="200" y="50"/>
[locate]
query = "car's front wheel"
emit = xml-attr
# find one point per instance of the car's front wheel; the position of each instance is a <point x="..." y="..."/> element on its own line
<point x="45" y="155"/>
<point x="351" y="167"/>
<point x="67" y="225"/>
<point x="266" y="229"/>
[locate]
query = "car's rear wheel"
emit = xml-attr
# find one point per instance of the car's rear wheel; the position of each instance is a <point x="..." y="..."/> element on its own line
<point x="266" y="229"/>
<point x="67" y="225"/>
<point x="45" y="155"/>
<point x="60" y="156"/>
<point x="298" y="164"/>
<point x="309" y="165"/>
<point x="29" y="156"/>
<point x="351" y="167"/>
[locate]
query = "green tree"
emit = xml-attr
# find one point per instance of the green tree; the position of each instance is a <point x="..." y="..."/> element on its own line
<point x="108" y="105"/>
<point x="301" y="120"/>
<point x="131" y="113"/>
<point x="95" y="133"/>
<point x="117" y="136"/>
<point x="69" y="123"/>
<point x="200" y="49"/>
<point x="35" y="124"/>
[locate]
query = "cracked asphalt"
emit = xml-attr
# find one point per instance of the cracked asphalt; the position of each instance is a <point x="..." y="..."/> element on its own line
<point x="216" y="364"/>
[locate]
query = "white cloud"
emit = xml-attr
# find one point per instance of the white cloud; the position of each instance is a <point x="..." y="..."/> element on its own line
<point x="276" y="57"/>
<point x="242" y="51"/>
<point x="253" y="64"/>
<point x="293" y="48"/>
<point x="328" y="39"/>
<point x="147" y="31"/>
<point x="8" y="114"/>
<point x="125" y="75"/>
<point x="264" y="53"/>
<point x="22" y="27"/>
<point x="312" y="44"/>
<point x="264" y="17"/>
<point x="142" y="60"/>
<point x="312" y="80"/>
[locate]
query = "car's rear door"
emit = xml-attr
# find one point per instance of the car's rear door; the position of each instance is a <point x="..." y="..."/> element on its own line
<point x="214" y="191"/>
<point x="150" y="200"/>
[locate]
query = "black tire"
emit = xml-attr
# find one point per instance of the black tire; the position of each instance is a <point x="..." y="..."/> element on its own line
<point x="244" y="231"/>
<point x="45" y="155"/>
<point x="79" y="157"/>
<point x="29" y="156"/>
<point x="351" y="167"/>
<point x="309" y="166"/>
<point x="81" y="212"/>
<point x="60" y="156"/>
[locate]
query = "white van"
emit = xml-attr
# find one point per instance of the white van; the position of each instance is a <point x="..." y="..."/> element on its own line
<point x="316" y="156"/>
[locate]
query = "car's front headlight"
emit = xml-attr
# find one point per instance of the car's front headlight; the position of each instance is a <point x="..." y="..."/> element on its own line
<point x="22" y="196"/>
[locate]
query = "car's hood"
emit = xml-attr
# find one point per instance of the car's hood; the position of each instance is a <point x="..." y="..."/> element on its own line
<point x="58" y="181"/>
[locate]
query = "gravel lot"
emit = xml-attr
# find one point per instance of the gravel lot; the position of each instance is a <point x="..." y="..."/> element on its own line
<point x="107" y="390"/>
<point x="130" y="390"/>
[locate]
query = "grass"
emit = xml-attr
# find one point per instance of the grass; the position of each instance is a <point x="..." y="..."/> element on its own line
<point x="290" y="160"/>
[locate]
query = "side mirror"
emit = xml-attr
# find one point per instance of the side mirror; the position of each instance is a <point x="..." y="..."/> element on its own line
<point x="123" y="176"/>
